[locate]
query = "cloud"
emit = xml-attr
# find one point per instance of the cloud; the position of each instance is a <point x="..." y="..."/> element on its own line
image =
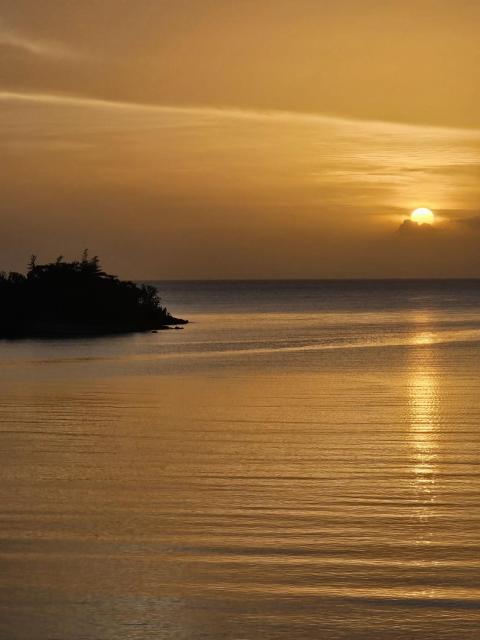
<point x="412" y="229"/>
<point x="341" y="161"/>
<point x="356" y="127"/>
<point x="473" y="222"/>
<point x="36" y="47"/>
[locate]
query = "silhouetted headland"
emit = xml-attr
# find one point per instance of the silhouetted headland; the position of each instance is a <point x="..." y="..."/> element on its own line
<point x="62" y="299"/>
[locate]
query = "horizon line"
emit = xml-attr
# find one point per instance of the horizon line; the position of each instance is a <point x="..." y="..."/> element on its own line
<point x="322" y="279"/>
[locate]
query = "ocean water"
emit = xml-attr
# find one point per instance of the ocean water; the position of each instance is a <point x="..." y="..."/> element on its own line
<point x="302" y="461"/>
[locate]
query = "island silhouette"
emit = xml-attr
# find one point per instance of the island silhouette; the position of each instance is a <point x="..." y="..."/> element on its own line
<point x="61" y="299"/>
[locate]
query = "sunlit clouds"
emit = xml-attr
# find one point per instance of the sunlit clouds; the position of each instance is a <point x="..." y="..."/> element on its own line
<point x="349" y="163"/>
<point x="13" y="43"/>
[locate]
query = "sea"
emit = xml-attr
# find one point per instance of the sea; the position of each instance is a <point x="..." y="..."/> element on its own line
<point x="299" y="462"/>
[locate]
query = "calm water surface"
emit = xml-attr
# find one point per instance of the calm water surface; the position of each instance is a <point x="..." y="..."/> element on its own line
<point x="300" y="462"/>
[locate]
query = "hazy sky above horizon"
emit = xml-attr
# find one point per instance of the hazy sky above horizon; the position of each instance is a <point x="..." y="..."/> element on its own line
<point x="262" y="138"/>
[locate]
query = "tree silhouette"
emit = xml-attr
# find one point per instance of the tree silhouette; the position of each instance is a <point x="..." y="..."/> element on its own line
<point x="32" y="263"/>
<point x="63" y="298"/>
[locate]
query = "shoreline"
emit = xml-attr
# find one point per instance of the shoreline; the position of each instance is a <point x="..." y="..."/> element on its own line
<point x="61" y="331"/>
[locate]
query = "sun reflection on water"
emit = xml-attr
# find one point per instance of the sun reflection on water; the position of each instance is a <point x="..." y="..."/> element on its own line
<point x="424" y="337"/>
<point x="423" y="397"/>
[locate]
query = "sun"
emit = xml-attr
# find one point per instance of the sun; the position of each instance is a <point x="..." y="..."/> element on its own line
<point x="422" y="216"/>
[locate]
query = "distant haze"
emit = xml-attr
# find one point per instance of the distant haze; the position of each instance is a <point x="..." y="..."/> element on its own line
<point x="253" y="139"/>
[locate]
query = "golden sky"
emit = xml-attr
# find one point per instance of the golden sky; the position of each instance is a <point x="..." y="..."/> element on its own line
<point x="200" y="138"/>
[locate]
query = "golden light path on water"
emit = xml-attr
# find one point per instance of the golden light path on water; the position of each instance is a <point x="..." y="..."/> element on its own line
<point x="423" y="393"/>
